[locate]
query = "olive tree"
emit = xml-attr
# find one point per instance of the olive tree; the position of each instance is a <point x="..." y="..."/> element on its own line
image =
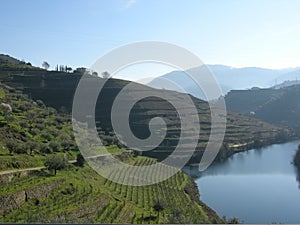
<point x="56" y="162"/>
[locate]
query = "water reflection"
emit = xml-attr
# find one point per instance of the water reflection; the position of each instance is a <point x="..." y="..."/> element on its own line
<point x="271" y="160"/>
<point x="255" y="183"/>
<point x="298" y="176"/>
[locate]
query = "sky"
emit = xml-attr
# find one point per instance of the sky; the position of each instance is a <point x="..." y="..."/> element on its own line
<point x="239" y="33"/>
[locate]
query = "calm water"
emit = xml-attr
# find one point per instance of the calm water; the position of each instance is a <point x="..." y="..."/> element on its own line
<point x="257" y="186"/>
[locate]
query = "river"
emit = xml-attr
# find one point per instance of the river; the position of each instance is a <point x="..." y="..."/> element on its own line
<point x="256" y="186"/>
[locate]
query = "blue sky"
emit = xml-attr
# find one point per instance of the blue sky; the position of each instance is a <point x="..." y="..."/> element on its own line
<point x="264" y="33"/>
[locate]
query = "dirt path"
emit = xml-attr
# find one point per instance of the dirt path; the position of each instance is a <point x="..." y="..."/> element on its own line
<point x="42" y="167"/>
<point x="21" y="170"/>
<point x="27" y="169"/>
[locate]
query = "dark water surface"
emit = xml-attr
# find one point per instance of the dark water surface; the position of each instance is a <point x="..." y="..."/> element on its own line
<point x="257" y="186"/>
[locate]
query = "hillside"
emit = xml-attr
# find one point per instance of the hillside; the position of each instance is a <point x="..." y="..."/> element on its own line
<point x="276" y="106"/>
<point x="8" y="63"/>
<point x="30" y="133"/>
<point x="57" y="89"/>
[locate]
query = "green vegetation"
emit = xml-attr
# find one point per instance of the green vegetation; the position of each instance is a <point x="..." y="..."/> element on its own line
<point x="34" y="135"/>
<point x="56" y="162"/>
<point x="87" y="197"/>
<point x="31" y="131"/>
<point x="80" y="160"/>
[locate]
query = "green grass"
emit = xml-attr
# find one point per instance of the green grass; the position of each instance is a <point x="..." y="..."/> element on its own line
<point x="20" y="161"/>
<point x="113" y="149"/>
<point x="106" y="201"/>
<point x="2" y="94"/>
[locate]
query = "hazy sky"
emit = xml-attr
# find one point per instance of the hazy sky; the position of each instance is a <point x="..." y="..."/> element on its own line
<point x="264" y="33"/>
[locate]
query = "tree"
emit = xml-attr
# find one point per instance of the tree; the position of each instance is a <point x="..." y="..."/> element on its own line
<point x="30" y="145"/>
<point x="177" y="217"/>
<point x="54" y="146"/>
<point x="95" y="74"/>
<point x="80" y="70"/>
<point x="80" y="160"/>
<point x="233" y="220"/>
<point x="69" y="69"/>
<point x="105" y="75"/>
<point x="44" y="148"/>
<point x="56" y="162"/>
<point x="158" y="205"/>
<point x="45" y="65"/>
<point x="11" y="146"/>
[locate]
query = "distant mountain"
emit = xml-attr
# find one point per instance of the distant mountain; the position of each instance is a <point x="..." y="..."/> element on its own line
<point x="229" y="78"/>
<point x="277" y="106"/>
<point x="293" y="75"/>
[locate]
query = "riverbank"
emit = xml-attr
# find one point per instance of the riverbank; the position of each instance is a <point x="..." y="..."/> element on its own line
<point x="228" y="150"/>
<point x="246" y="179"/>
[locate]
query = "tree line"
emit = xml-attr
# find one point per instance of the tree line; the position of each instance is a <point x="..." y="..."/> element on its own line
<point x="80" y="70"/>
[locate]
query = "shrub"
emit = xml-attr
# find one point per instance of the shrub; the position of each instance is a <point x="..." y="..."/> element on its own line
<point x="65" y="144"/>
<point x="51" y="111"/>
<point x="44" y="149"/>
<point x="40" y="126"/>
<point x="34" y="131"/>
<point x="15" y="146"/>
<point x="46" y="136"/>
<point x="54" y="146"/>
<point x="23" y="124"/>
<point x="11" y="145"/>
<point x="30" y="145"/>
<point x="40" y="103"/>
<point x="80" y="160"/>
<point x="177" y="217"/>
<point x="158" y="205"/>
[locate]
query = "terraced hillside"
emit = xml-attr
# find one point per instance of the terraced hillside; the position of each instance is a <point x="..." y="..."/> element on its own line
<point x="276" y="106"/>
<point x="57" y="90"/>
<point x="80" y="195"/>
<point x="31" y="133"/>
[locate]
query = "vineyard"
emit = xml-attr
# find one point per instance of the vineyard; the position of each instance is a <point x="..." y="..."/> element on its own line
<point x="86" y="197"/>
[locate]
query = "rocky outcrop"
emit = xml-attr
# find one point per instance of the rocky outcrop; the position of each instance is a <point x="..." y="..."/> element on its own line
<point x="11" y="201"/>
<point x="9" y="177"/>
<point x="6" y="107"/>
